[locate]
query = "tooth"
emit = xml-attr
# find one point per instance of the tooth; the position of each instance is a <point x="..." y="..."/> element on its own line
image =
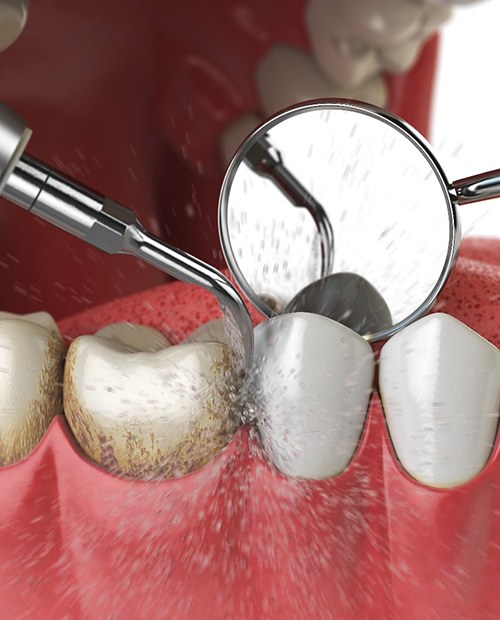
<point x="135" y="337"/>
<point x="399" y="59"/>
<point x="353" y="41"/>
<point x="440" y="387"/>
<point x="31" y="368"/>
<point x="44" y="319"/>
<point x="213" y="331"/>
<point x="313" y="380"/>
<point x="287" y="75"/>
<point x="146" y="414"/>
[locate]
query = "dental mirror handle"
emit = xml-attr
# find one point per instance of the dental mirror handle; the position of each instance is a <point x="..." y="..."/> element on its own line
<point x="265" y="160"/>
<point x="102" y="222"/>
<point x="478" y="187"/>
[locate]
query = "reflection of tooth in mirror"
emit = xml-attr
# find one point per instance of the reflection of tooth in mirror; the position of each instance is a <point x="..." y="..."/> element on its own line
<point x="390" y="210"/>
<point x="347" y="298"/>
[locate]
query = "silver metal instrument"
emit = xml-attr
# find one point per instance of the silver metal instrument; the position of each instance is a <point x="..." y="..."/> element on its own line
<point x="266" y="160"/>
<point x="381" y="189"/>
<point x="102" y="222"/>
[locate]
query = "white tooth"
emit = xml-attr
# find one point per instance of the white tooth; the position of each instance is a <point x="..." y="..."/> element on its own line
<point x="440" y="387"/>
<point x="401" y="58"/>
<point x="287" y="75"/>
<point x="13" y="15"/>
<point x="31" y="369"/>
<point x="135" y="337"/>
<point x="44" y="319"/>
<point x="213" y="331"/>
<point x="149" y="414"/>
<point x="349" y="39"/>
<point x="313" y="380"/>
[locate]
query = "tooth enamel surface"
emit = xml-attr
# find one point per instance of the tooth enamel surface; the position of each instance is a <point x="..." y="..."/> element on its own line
<point x="149" y="414"/>
<point x="350" y="39"/>
<point x="31" y="369"/>
<point x="135" y="337"/>
<point x="313" y="381"/>
<point x="440" y="387"/>
<point x="287" y="75"/>
<point x="213" y="331"/>
<point x="44" y="319"/>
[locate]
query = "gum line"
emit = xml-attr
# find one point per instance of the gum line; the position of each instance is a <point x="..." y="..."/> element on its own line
<point x="236" y="539"/>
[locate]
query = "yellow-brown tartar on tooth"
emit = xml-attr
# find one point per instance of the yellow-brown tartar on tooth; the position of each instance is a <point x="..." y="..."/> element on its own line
<point x="152" y="443"/>
<point x="32" y="360"/>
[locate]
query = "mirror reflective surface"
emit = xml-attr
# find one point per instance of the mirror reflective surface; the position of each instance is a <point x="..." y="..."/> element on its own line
<point x="385" y="197"/>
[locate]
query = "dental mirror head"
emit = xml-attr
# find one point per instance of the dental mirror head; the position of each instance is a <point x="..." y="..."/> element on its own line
<point x="372" y="190"/>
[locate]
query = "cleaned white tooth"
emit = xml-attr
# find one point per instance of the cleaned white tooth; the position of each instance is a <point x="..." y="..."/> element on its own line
<point x="213" y="331"/>
<point x="440" y="388"/>
<point x="135" y="337"/>
<point x="31" y="370"/>
<point x="146" y="414"/>
<point x="44" y="319"/>
<point x="287" y="75"/>
<point x="313" y="380"/>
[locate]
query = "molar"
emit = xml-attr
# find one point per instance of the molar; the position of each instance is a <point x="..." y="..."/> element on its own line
<point x="31" y="371"/>
<point x="149" y="414"/>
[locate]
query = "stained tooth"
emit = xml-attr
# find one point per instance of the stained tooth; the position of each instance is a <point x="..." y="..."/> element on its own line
<point x="287" y="75"/>
<point x="149" y="414"/>
<point x="213" y="331"/>
<point x="313" y="381"/>
<point x="135" y="337"/>
<point x="440" y="387"/>
<point x="31" y="369"/>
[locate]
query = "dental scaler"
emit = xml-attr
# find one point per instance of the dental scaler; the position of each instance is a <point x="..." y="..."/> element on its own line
<point x="266" y="160"/>
<point x="102" y="222"/>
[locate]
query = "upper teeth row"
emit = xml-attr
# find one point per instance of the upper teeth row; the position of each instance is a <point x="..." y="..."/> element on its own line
<point x="141" y="407"/>
<point x="351" y="44"/>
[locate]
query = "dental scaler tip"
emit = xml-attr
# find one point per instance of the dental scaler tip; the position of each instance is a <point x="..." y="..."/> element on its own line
<point x="266" y="160"/>
<point x="103" y="222"/>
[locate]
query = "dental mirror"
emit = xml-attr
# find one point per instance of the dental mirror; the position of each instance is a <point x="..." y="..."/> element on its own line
<point x="386" y="202"/>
